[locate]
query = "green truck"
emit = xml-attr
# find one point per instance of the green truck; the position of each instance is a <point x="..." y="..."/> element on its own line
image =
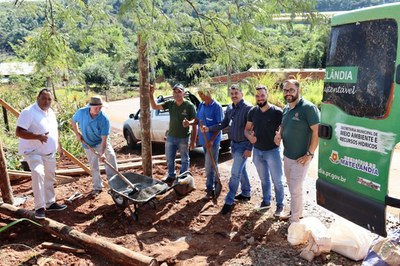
<point x="360" y="116"/>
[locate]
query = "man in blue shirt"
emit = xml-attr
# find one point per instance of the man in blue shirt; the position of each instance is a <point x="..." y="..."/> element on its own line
<point x="94" y="128"/>
<point x="236" y="118"/>
<point x="209" y="113"/>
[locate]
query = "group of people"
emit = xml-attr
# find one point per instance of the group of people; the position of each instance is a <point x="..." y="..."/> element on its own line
<point x="256" y="130"/>
<point x="37" y="129"/>
<point x="253" y="130"/>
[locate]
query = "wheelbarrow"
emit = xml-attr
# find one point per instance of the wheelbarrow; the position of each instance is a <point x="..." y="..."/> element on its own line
<point x="145" y="190"/>
<point x="135" y="189"/>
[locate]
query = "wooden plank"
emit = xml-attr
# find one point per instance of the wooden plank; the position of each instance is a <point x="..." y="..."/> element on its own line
<point x="77" y="161"/>
<point x="60" y="179"/>
<point x="125" y="166"/>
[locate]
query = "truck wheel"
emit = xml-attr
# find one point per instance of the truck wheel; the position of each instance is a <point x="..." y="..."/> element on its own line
<point x="131" y="141"/>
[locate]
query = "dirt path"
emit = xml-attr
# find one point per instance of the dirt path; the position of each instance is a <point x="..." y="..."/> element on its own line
<point x="175" y="230"/>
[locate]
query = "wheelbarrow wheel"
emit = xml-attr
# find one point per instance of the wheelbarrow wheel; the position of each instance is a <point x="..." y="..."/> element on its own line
<point x="119" y="200"/>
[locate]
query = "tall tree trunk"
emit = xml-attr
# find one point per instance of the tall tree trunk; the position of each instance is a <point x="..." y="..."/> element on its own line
<point x="6" y="191"/>
<point x="145" y="115"/>
<point x="229" y="76"/>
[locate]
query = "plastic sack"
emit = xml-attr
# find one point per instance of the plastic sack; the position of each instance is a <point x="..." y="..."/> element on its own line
<point x="384" y="251"/>
<point x="349" y="239"/>
<point x="300" y="233"/>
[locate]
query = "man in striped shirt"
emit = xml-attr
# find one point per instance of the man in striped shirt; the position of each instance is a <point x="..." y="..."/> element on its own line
<point x="236" y="118"/>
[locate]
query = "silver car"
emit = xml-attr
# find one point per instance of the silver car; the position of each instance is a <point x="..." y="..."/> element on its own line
<point x="159" y="124"/>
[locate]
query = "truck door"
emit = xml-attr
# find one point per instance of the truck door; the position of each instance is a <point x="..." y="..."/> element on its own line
<point x="360" y="118"/>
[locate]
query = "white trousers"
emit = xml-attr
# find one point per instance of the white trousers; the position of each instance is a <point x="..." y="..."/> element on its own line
<point x="43" y="168"/>
<point x="93" y="160"/>
<point x="295" y="174"/>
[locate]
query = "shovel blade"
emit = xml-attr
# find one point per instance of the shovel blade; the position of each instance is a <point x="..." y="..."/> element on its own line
<point x="218" y="189"/>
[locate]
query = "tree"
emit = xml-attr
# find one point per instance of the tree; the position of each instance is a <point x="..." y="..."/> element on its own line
<point x="155" y="31"/>
<point x="234" y="38"/>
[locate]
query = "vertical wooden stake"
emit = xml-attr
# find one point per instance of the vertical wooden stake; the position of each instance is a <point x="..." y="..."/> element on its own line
<point x="5" y="184"/>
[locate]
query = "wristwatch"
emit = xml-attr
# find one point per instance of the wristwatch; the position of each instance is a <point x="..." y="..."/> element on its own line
<point x="310" y="154"/>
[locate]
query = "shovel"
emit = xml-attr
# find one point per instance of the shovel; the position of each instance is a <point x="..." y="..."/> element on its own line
<point x="111" y="166"/>
<point x="218" y="185"/>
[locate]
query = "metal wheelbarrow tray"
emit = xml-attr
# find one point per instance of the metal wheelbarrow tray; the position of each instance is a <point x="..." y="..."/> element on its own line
<point x="145" y="190"/>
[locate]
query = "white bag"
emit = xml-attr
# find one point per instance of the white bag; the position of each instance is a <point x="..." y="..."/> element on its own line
<point x="300" y="232"/>
<point x="349" y="239"/>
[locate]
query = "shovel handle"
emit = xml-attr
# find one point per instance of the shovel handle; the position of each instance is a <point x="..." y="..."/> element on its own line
<point x="210" y="153"/>
<point x="111" y="166"/>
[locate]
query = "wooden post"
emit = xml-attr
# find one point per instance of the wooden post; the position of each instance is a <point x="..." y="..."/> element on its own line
<point x="145" y="115"/>
<point x="6" y="119"/>
<point x="5" y="184"/>
<point x="117" y="254"/>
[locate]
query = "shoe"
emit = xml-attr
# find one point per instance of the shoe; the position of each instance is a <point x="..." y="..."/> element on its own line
<point x="278" y="211"/>
<point x="264" y="206"/>
<point x="285" y="217"/>
<point x="227" y="208"/>
<point x="39" y="214"/>
<point x="56" y="207"/>
<point x="240" y="197"/>
<point x="96" y="192"/>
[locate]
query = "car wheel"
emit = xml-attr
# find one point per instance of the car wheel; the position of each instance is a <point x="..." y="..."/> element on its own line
<point x="131" y="141"/>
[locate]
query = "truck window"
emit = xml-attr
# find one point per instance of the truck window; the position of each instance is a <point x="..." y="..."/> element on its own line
<point x="361" y="60"/>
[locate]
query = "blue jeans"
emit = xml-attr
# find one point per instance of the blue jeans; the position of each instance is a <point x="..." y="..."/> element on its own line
<point x="238" y="173"/>
<point x="171" y="146"/>
<point x="266" y="163"/>
<point x="210" y="172"/>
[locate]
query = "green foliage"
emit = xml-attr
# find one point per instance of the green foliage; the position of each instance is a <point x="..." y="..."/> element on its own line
<point x="17" y="221"/>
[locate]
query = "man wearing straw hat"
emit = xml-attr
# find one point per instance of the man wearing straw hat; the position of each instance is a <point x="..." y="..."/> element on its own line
<point x="209" y="113"/>
<point x="94" y="130"/>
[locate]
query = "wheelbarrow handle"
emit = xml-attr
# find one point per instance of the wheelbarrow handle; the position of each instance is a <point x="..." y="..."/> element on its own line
<point x="111" y="166"/>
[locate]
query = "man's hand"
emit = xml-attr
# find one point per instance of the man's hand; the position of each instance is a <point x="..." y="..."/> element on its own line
<point x="102" y="157"/>
<point x="304" y="159"/>
<point x="247" y="154"/>
<point x="44" y="137"/>
<point x="185" y="123"/>
<point x="204" y="129"/>
<point x="277" y="138"/>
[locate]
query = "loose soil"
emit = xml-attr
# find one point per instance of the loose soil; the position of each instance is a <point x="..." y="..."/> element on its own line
<point x="175" y="232"/>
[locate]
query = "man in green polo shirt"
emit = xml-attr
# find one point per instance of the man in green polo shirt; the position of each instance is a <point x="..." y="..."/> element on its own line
<point x="178" y="134"/>
<point x="299" y="132"/>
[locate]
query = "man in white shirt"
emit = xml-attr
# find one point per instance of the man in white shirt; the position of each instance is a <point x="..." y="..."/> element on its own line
<point x="37" y="130"/>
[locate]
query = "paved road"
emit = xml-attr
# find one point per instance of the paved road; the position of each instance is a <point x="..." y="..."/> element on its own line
<point x="118" y="111"/>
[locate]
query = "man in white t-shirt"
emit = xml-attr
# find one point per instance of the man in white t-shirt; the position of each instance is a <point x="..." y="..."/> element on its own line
<point x="37" y="130"/>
